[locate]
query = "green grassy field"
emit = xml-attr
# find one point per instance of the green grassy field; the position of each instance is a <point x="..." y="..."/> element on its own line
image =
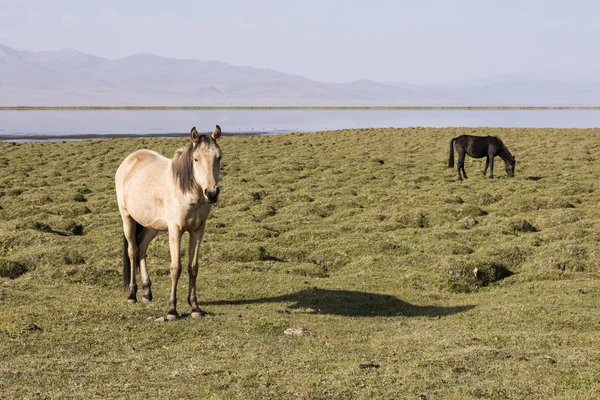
<point x="363" y="238"/>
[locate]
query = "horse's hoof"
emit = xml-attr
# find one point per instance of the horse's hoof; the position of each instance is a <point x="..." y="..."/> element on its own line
<point x="197" y="314"/>
<point x="171" y="317"/>
<point x="146" y="300"/>
<point x="131" y="301"/>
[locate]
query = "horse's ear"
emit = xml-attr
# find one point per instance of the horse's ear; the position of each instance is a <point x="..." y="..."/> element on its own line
<point x="216" y="133"/>
<point x="194" y="135"/>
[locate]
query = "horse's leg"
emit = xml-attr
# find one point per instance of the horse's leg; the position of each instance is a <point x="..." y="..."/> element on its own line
<point x="174" y="243"/>
<point x="461" y="160"/>
<point x="461" y="165"/>
<point x="145" y="238"/>
<point x="487" y="164"/>
<point x="195" y="241"/>
<point x="491" y="157"/>
<point x="129" y="225"/>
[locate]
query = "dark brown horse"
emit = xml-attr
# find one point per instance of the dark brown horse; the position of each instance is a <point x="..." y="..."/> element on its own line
<point x="479" y="147"/>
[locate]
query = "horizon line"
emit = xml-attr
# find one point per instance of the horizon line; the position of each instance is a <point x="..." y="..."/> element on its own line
<point x="275" y="108"/>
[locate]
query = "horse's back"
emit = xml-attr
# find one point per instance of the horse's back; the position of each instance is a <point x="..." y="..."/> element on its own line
<point x="139" y="161"/>
<point x="474" y="146"/>
<point x="464" y="140"/>
<point x="144" y="156"/>
<point x="473" y="138"/>
<point x="138" y="177"/>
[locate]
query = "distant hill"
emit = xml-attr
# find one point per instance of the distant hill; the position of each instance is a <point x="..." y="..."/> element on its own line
<point x="70" y="77"/>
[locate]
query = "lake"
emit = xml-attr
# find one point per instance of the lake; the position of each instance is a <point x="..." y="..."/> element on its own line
<point x="77" y="124"/>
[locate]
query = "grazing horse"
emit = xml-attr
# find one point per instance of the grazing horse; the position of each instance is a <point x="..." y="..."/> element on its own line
<point x="478" y="147"/>
<point x="155" y="194"/>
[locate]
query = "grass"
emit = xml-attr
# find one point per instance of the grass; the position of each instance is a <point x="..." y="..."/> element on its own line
<point x="407" y="283"/>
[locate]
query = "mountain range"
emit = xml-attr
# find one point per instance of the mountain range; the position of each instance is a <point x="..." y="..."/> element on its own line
<point x="72" y="78"/>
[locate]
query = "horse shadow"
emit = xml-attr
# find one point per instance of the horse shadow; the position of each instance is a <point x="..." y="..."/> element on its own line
<point x="349" y="303"/>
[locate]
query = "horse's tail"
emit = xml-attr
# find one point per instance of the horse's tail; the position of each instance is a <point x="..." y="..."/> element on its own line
<point x="451" y="155"/>
<point x="126" y="260"/>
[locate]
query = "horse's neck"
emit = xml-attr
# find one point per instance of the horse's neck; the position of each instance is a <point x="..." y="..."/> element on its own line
<point x="503" y="153"/>
<point x="190" y="197"/>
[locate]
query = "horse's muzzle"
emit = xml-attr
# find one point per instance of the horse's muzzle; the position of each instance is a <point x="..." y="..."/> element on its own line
<point x="212" y="195"/>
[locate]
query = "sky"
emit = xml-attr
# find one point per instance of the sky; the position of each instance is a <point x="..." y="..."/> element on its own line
<point x="405" y="41"/>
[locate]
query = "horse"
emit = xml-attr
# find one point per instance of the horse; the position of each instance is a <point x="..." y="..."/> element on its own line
<point x="154" y="194"/>
<point x="478" y="147"/>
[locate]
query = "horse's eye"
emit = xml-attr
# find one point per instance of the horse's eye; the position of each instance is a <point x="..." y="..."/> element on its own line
<point x="195" y="159"/>
<point x="219" y="157"/>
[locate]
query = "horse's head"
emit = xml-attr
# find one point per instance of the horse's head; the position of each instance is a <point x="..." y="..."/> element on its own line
<point x="197" y="167"/>
<point x="509" y="166"/>
<point x="207" y="163"/>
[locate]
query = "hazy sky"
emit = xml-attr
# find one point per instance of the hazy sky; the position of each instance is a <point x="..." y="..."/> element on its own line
<point x="411" y="41"/>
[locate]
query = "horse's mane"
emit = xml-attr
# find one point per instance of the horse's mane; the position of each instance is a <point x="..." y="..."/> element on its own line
<point x="504" y="147"/>
<point x="183" y="164"/>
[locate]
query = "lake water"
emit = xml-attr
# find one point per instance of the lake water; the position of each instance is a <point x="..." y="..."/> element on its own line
<point x="53" y="125"/>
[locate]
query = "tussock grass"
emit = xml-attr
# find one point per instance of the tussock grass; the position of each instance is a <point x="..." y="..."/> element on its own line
<point x="12" y="269"/>
<point x="485" y="289"/>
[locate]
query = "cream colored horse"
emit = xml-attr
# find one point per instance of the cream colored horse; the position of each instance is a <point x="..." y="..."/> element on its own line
<point x="156" y="194"/>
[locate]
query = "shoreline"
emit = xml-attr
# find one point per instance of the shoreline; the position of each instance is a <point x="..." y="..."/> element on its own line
<point x="100" y="136"/>
<point x="277" y="108"/>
